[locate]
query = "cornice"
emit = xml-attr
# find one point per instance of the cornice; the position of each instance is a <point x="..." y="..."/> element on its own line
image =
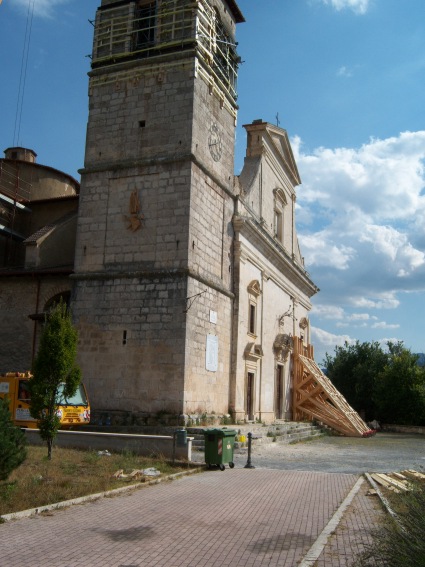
<point x="154" y="162"/>
<point x="152" y="275"/>
<point x="255" y="233"/>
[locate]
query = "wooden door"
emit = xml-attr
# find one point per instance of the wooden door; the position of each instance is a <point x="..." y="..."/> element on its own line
<point x="250" y="395"/>
<point x="279" y="392"/>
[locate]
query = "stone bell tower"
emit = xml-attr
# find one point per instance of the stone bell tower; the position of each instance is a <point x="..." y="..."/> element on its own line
<point x="153" y="270"/>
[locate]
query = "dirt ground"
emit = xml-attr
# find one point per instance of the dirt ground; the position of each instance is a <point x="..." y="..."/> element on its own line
<point x="385" y="452"/>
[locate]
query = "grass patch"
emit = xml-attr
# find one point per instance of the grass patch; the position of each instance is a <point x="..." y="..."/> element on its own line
<point x="70" y="474"/>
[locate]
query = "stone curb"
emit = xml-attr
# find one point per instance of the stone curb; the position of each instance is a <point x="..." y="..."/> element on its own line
<point x="316" y="549"/>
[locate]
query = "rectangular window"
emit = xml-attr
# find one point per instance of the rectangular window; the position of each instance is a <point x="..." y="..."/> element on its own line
<point x="252" y="317"/>
<point x="278" y="225"/>
<point x="23" y="392"/>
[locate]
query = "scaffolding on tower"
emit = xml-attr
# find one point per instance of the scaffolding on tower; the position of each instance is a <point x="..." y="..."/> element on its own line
<point x="128" y="31"/>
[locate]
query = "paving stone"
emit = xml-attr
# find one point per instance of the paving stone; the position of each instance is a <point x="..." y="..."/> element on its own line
<point x="238" y="517"/>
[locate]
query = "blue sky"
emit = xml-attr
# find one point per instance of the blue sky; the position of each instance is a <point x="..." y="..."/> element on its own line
<point x="346" y="78"/>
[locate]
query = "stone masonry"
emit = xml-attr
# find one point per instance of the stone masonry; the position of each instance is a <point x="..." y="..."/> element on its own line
<point x="153" y="269"/>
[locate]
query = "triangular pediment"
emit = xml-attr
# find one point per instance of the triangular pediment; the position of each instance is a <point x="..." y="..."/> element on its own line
<point x="264" y="138"/>
<point x="282" y="145"/>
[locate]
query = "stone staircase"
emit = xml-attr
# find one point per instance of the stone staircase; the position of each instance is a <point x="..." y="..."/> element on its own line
<point x="284" y="432"/>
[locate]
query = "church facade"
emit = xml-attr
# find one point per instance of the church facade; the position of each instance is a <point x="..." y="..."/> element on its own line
<point x="188" y="282"/>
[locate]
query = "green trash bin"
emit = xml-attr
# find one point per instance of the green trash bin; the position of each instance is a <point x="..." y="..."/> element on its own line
<point x="219" y="445"/>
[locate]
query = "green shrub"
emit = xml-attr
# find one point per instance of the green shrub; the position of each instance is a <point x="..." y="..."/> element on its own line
<point x="12" y="442"/>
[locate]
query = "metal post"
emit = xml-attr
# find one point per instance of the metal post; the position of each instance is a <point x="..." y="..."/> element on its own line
<point x="249" y="465"/>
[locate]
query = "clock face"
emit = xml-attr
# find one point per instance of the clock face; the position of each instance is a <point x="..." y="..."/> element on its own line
<point x="214" y="142"/>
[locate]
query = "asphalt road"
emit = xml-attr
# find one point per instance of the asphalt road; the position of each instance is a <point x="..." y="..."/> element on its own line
<point x="385" y="452"/>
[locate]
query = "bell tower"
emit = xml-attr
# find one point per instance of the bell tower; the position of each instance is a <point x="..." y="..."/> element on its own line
<point x="153" y="268"/>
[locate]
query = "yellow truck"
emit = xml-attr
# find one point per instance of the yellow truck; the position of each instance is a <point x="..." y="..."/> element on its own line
<point x="73" y="412"/>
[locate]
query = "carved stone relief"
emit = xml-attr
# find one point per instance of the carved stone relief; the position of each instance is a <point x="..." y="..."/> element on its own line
<point x="283" y="346"/>
<point x="134" y="221"/>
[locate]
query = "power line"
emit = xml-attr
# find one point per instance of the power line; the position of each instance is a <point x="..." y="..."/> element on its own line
<point x="23" y="74"/>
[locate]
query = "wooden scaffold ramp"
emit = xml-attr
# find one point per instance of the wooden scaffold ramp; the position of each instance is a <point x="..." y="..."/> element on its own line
<point x="315" y="397"/>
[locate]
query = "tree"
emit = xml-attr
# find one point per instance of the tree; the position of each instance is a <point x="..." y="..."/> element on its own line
<point x="56" y="374"/>
<point x="400" y="388"/>
<point x="387" y="386"/>
<point x="353" y="370"/>
<point x="12" y="442"/>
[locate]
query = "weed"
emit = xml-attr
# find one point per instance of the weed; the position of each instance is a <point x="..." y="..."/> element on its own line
<point x="69" y="467"/>
<point x="400" y="542"/>
<point x="91" y="457"/>
<point x="70" y="474"/>
<point x="226" y="420"/>
<point x="7" y="490"/>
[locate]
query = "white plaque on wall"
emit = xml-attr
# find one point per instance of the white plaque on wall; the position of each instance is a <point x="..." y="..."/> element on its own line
<point x="213" y="317"/>
<point x="211" y="357"/>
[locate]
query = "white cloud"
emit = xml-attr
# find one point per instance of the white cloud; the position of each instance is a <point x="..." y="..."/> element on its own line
<point x="42" y="8"/>
<point x="344" y="72"/>
<point x="384" y="325"/>
<point x="329" y="339"/>
<point x="325" y="342"/>
<point x="362" y="230"/>
<point x="328" y="311"/>
<point x="364" y="206"/>
<point x="393" y="244"/>
<point x="360" y="317"/>
<point x="383" y="178"/>
<point x="342" y="319"/>
<point x="385" y="301"/>
<point x="321" y="249"/>
<point x="358" y="6"/>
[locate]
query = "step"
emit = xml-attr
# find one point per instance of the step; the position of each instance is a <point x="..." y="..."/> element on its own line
<point x="281" y="432"/>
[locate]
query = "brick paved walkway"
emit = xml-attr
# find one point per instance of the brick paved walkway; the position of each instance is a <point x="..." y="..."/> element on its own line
<point x="354" y="530"/>
<point x="239" y="517"/>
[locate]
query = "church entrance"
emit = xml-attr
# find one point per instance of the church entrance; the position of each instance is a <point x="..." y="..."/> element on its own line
<point x="250" y="395"/>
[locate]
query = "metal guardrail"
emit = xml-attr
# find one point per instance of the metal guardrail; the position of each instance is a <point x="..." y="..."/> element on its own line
<point x="146" y="445"/>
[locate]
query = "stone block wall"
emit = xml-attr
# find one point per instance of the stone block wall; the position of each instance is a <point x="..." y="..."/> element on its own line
<point x="209" y="318"/>
<point x="132" y="341"/>
<point x="105" y="238"/>
<point x="210" y="230"/>
<point x="139" y="112"/>
<point x="20" y="297"/>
